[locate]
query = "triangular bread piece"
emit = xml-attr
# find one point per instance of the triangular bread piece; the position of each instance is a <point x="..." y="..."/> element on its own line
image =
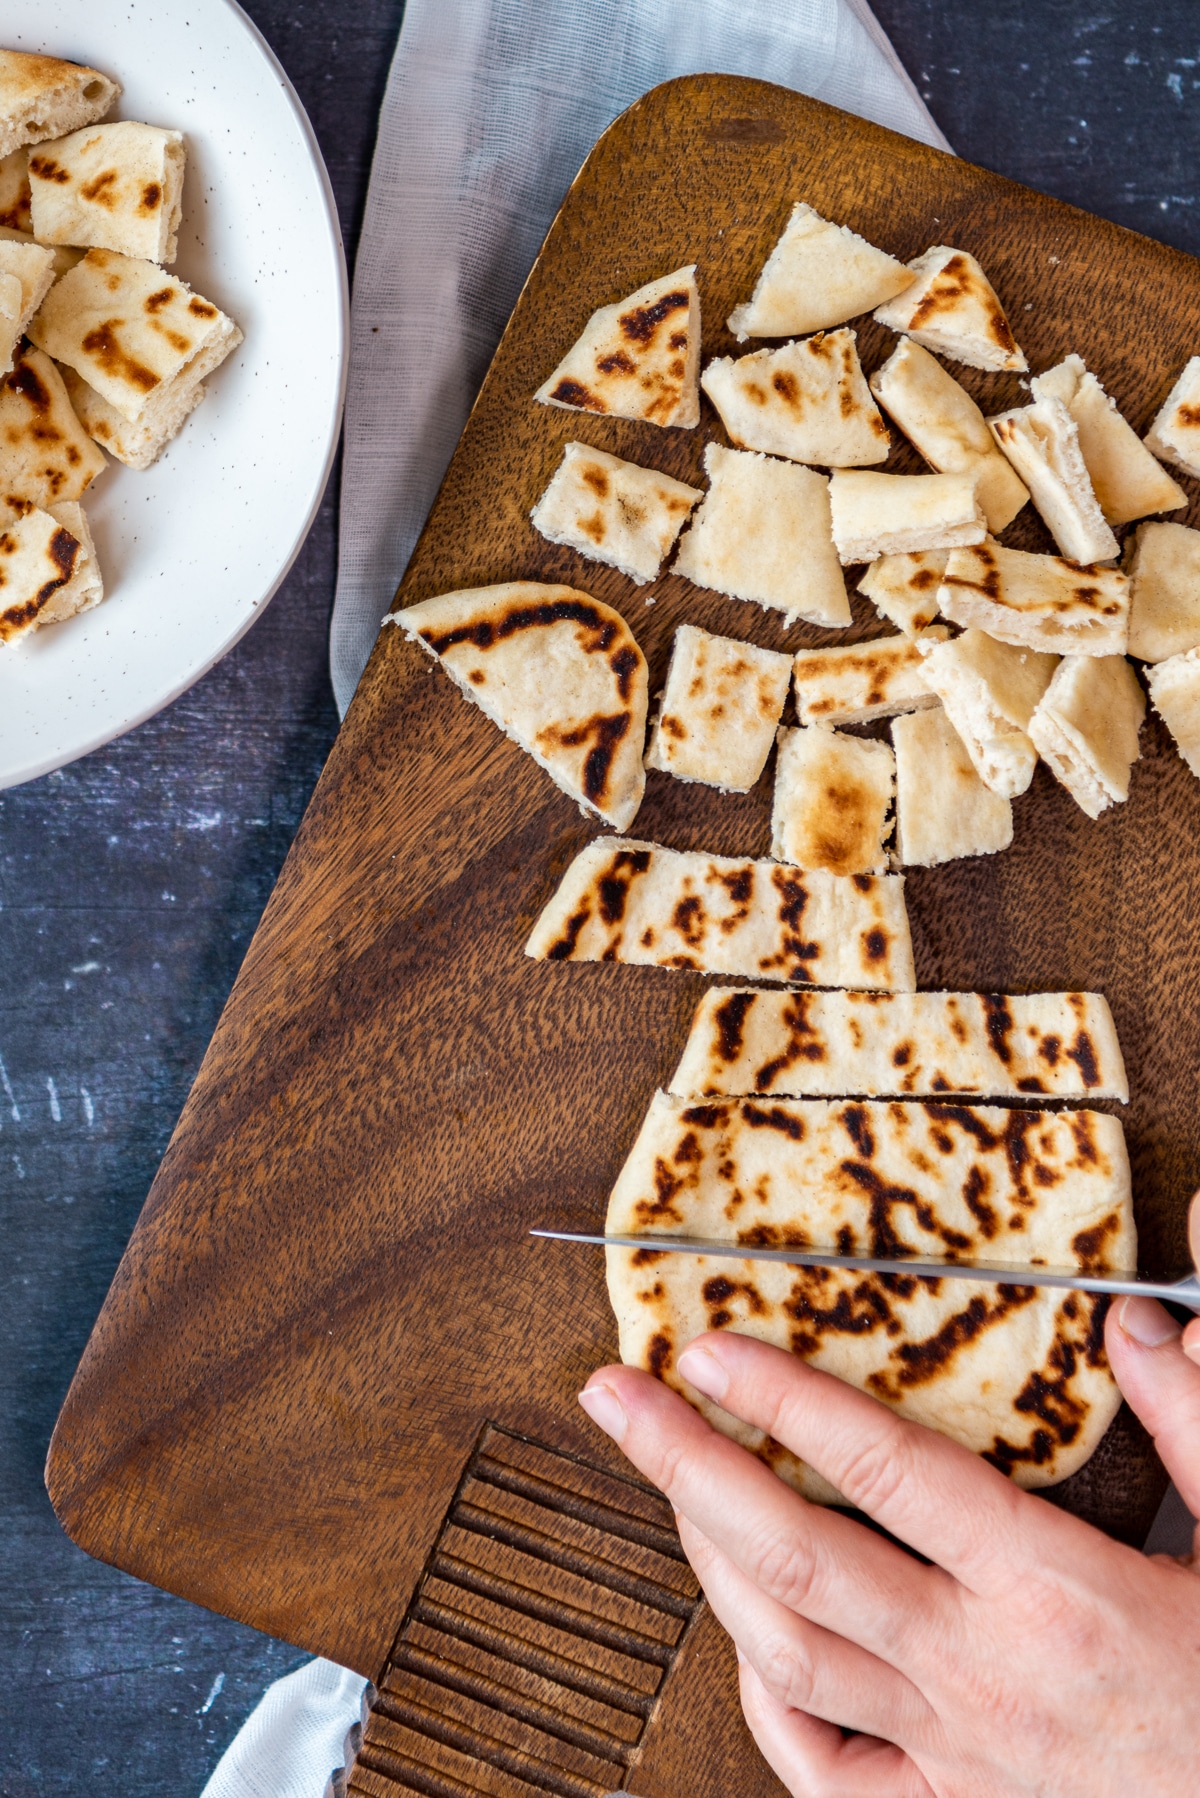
<point x="1042" y="443"/>
<point x="951" y="308"/>
<point x="1175" y="690"/>
<point x="638" y="358"/>
<point x="613" y="511"/>
<point x="46" y="456"/>
<point x="559" y="672"/>
<point x="41" y="97"/>
<point x="819" y="274"/>
<point x="990" y="690"/>
<point x="1086" y="728"/>
<point x="1175" y="432"/>
<point x="808" y="401"/>
<point x="1129" y="482"/>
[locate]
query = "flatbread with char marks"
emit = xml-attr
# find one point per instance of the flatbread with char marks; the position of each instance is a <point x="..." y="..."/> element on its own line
<point x="46" y="456"/>
<point x="1043" y="601"/>
<point x="42" y="97"/>
<point x="952" y="309"/>
<point x="111" y="187"/>
<point x="1015" y="1373"/>
<point x="819" y="274"/>
<point x="807" y="400"/>
<point x="638" y="358"/>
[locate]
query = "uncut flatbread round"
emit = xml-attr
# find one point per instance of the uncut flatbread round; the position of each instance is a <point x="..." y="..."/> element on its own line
<point x="1018" y="1374"/>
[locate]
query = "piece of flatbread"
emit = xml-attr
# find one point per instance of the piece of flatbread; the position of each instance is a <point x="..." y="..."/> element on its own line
<point x="38" y="558"/>
<point x="559" y="672"/>
<point x="898" y="514"/>
<point x="808" y="401"/>
<point x="1017" y="1373"/>
<point x="26" y="272"/>
<point x="832" y="802"/>
<point x="85" y="588"/>
<point x="1127" y="479"/>
<point x="1175" y="432"/>
<point x="62" y="257"/>
<point x="859" y="682"/>
<point x="139" y="338"/>
<point x="763" y="533"/>
<point x="989" y="690"/>
<point x="1086" y="729"/>
<point x="941" y="419"/>
<point x="638" y="358"/>
<point x="911" y="1045"/>
<point x="138" y="444"/>
<point x="41" y="97"/>
<point x="637" y="902"/>
<point x="613" y="511"/>
<point x="719" y="710"/>
<point x="1164" y="597"/>
<point x="1042" y="443"/>
<point x="14" y="192"/>
<point x="111" y="187"/>
<point x="1040" y="601"/>
<point x="943" y="809"/>
<point x="46" y="456"/>
<point x="819" y="274"/>
<point x="904" y="589"/>
<point x="951" y="308"/>
<point x="1175" y="690"/>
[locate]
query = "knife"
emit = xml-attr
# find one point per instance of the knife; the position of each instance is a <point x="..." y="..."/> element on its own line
<point x="928" y="1267"/>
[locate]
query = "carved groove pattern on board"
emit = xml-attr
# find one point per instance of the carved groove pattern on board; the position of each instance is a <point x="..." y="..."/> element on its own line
<point x="538" y="1639"/>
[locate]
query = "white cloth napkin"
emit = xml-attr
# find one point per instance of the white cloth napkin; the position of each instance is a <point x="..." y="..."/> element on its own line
<point x="293" y="1739"/>
<point x="491" y="107"/>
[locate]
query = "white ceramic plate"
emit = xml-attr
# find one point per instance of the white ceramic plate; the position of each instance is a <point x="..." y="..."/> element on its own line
<point x="193" y="548"/>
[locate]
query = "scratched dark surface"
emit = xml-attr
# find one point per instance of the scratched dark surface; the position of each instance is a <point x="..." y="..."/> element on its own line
<point x="130" y="883"/>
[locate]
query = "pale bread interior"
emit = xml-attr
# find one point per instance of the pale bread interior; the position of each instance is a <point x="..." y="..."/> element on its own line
<point x="819" y="274"/>
<point x="943" y="809"/>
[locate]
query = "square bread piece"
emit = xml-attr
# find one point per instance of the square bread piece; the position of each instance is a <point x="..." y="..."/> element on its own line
<point x="719" y="710"/>
<point x="1042" y="443"/>
<point x="138" y="337"/>
<point x="818" y="274"/>
<point x="858" y="682"/>
<point x="1127" y="480"/>
<point x="1039" y="601"/>
<point x="833" y="798"/>
<point x="904" y="589"/>
<point x="38" y="559"/>
<point x="14" y="191"/>
<point x="85" y="588"/>
<point x="41" y="97"/>
<point x="613" y="511"/>
<point x="1175" y="691"/>
<point x="989" y="691"/>
<point x="46" y="456"/>
<point x="1175" y="433"/>
<point x="26" y="273"/>
<point x="1086" y="728"/>
<point x="951" y="308"/>
<point x="896" y="514"/>
<point x="943" y="809"/>
<point x="808" y="401"/>
<point x="1164" y="596"/>
<point x="763" y="533"/>
<point x="111" y="187"/>
<point x="942" y="421"/>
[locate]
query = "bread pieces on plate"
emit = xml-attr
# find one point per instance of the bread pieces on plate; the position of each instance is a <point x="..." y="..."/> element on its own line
<point x="1085" y="729"/>
<point x="637" y="902"/>
<point x="763" y="533"/>
<point x="62" y="256"/>
<point x="38" y="558"/>
<point x="613" y="511"/>
<point x="943" y="809"/>
<point x="1127" y="480"/>
<point x="896" y="514"/>
<point x="85" y="588"/>
<point x="808" y="401"/>
<point x="721" y="704"/>
<point x="869" y="1177"/>
<point x="904" y="588"/>
<point x="832" y="802"/>
<point x="1175" y="433"/>
<point x="1042" y="443"/>
<point x="1175" y="691"/>
<point x="989" y="691"/>
<point x="26" y="272"/>
<point x="912" y="1045"/>
<point x="855" y="683"/>
<point x="46" y="456"/>
<point x="952" y="309"/>
<point x="1164" y="600"/>
<point x="819" y="274"/>
<point x="41" y="97"/>
<point x="559" y="672"/>
<point x="939" y="417"/>
<point x="14" y="191"/>
<point x="638" y="358"/>
<point x="1040" y="601"/>
<point x="111" y="187"/>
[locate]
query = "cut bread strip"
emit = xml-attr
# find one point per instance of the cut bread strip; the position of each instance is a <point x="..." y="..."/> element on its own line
<point x="819" y="274"/>
<point x="1086" y="729"/>
<point x="719" y="710"/>
<point x="858" y="682"/>
<point x="898" y="514"/>
<point x="943" y="809"/>
<point x="1127" y="480"/>
<point x="638" y="358"/>
<point x="41" y="97"/>
<point x="1040" y="601"/>
<point x="1175" y="433"/>
<point x="952" y="309"/>
<point x="904" y="589"/>
<point x="1175" y="691"/>
<point x="1042" y="443"/>
<point x="989" y="691"/>
<point x="808" y="401"/>
<point x="613" y="511"/>
<point x="832" y="802"/>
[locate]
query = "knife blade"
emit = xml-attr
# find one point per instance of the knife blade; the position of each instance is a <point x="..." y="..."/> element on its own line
<point x="998" y="1273"/>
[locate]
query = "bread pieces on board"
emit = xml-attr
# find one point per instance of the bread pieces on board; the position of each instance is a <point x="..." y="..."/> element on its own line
<point x="808" y="401"/>
<point x="943" y="809"/>
<point x="1042" y="443"/>
<point x="952" y="309"/>
<point x="897" y="514"/>
<point x="1175" y="692"/>
<point x="638" y="358"/>
<point x="855" y="683"/>
<point x="1164" y="597"/>
<point x="904" y="588"/>
<point x="819" y="274"/>
<point x="1127" y="479"/>
<point x="989" y="690"/>
<point x="1175" y="433"/>
<point x="1042" y="601"/>
<point x="833" y="801"/>
<point x="613" y="511"/>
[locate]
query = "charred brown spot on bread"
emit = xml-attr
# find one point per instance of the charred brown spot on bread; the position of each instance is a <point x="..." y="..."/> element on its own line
<point x="677" y="340"/>
<point x="1089" y="1245"/>
<point x="595" y="477"/>
<point x="16" y="618"/>
<point x="484" y="632"/>
<point x="689" y="919"/>
<point x="596" y="527"/>
<point x="875" y="945"/>
<point x="923" y="1361"/>
<point x="574" y="393"/>
<point x="176" y="339"/>
<point x="730" y="1017"/>
<point x="975" y="1188"/>
<point x="151" y="198"/>
<point x="999" y="1021"/>
<point x="787" y="387"/>
<point x="26" y="381"/>
<point x="672" y="727"/>
<point x="1083" y="1053"/>
<point x="902" y="1055"/>
<point x="855" y="1123"/>
<point x="565" y="947"/>
<point x="759" y="1118"/>
<point x="1029" y="1083"/>
<point x="647" y="1257"/>
<point x="658" y="1354"/>
<point x="617" y="362"/>
<point x="857" y="1310"/>
<point x="640" y="324"/>
<point x="667" y="1187"/>
<point x="104" y="346"/>
<point x="624" y="665"/>
<point x="200" y="308"/>
<point x="102" y="190"/>
<point x="718" y="1291"/>
<point x="46" y="169"/>
<point x="1050" y="1050"/>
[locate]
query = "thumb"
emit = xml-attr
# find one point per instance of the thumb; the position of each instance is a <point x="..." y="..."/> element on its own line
<point x="1162" y="1384"/>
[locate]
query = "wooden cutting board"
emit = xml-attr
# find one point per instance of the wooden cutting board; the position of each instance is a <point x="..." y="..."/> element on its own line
<point x="332" y="1390"/>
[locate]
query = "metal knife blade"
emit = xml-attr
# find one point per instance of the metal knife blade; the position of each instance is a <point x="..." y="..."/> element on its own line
<point x="999" y="1273"/>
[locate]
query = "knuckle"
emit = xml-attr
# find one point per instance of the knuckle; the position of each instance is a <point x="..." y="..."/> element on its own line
<point x="786" y="1568"/>
<point x="876" y="1471"/>
<point x="786" y="1671"/>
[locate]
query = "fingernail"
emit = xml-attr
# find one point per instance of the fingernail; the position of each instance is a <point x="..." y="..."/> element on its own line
<point x="704" y="1372"/>
<point x="605" y="1410"/>
<point x="1147" y="1322"/>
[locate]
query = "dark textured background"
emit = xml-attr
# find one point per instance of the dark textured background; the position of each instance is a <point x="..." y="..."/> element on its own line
<point x="131" y="882"/>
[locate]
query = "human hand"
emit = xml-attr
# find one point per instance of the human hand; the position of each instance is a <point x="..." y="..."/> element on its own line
<point x="1034" y="1656"/>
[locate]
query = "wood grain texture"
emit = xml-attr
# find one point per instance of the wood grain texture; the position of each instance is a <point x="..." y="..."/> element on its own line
<point x="329" y="1291"/>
